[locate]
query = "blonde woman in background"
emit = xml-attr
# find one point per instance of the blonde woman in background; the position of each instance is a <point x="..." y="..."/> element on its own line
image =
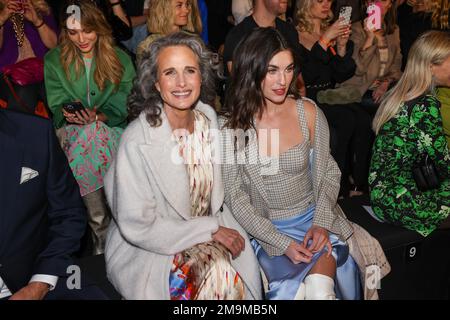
<point x="408" y="125"/>
<point x="169" y="16"/>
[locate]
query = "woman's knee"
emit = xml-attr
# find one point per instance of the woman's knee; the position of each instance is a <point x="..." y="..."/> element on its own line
<point x="325" y="265"/>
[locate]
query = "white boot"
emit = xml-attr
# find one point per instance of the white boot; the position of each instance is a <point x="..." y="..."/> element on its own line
<point x="319" y="287"/>
<point x="300" y="295"/>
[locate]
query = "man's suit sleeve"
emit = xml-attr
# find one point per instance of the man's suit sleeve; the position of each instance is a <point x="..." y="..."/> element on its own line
<point x="66" y="213"/>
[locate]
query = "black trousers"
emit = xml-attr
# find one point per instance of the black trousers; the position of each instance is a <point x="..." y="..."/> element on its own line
<point x="351" y="140"/>
<point x="361" y="145"/>
<point x="368" y="104"/>
<point x="29" y="95"/>
<point x="342" y="122"/>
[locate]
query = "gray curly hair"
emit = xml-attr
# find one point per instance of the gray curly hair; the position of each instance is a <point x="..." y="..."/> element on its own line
<point x="144" y="96"/>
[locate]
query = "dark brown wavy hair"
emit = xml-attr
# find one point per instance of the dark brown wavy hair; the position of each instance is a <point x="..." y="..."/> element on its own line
<point x="251" y="58"/>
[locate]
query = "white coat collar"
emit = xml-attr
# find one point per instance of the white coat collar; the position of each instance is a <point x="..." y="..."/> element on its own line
<point x="161" y="153"/>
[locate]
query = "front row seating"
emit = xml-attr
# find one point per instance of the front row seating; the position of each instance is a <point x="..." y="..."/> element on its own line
<point x="420" y="266"/>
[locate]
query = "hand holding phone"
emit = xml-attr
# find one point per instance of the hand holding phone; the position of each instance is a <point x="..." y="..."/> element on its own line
<point x="75" y="112"/>
<point x="72" y="107"/>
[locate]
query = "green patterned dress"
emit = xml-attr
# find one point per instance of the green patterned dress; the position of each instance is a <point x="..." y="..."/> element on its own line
<point x="417" y="128"/>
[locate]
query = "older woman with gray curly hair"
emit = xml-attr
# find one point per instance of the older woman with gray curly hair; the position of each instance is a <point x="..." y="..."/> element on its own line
<point x="172" y="236"/>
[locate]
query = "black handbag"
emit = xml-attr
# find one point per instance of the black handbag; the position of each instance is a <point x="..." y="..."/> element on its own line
<point x="425" y="173"/>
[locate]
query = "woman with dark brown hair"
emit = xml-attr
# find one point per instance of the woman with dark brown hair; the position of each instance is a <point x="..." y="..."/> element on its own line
<point x="281" y="181"/>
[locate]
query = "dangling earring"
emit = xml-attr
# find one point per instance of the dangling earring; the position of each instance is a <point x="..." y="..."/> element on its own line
<point x="433" y="85"/>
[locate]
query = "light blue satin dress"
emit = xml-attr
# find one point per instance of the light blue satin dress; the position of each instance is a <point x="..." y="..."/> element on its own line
<point x="285" y="277"/>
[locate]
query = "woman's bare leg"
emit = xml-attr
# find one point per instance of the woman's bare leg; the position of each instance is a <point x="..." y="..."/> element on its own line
<point x="325" y="265"/>
<point x="319" y="283"/>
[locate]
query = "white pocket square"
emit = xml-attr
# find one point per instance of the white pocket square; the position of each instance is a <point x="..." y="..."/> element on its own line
<point x="28" y="174"/>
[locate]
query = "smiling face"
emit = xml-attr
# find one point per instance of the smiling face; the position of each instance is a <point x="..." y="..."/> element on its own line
<point x="179" y="77"/>
<point x="181" y="11"/>
<point x="280" y="73"/>
<point x="83" y="39"/>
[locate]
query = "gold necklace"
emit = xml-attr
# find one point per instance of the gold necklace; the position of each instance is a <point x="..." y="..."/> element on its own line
<point x="18" y="26"/>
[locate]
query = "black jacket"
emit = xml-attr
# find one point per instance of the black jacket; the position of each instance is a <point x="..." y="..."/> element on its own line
<point x="43" y="219"/>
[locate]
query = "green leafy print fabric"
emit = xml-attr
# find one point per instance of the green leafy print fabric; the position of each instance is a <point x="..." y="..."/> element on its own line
<point x="417" y="128"/>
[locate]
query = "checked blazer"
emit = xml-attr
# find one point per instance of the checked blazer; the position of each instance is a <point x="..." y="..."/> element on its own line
<point x="246" y="196"/>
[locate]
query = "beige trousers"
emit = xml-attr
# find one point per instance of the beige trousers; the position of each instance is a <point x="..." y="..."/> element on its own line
<point x="99" y="217"/>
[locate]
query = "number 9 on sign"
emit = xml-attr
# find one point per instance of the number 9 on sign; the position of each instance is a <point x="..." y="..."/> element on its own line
<point x="413" y="251"/>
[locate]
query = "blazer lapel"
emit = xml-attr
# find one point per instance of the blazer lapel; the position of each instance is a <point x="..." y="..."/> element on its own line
<point x="161" y="154"/>
<point x="320" y="154"/>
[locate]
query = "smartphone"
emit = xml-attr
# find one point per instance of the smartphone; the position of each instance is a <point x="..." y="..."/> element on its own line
<point x="374" y="16"/>
<point x="72" y="107"/>
<point x="346" y="13"/>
